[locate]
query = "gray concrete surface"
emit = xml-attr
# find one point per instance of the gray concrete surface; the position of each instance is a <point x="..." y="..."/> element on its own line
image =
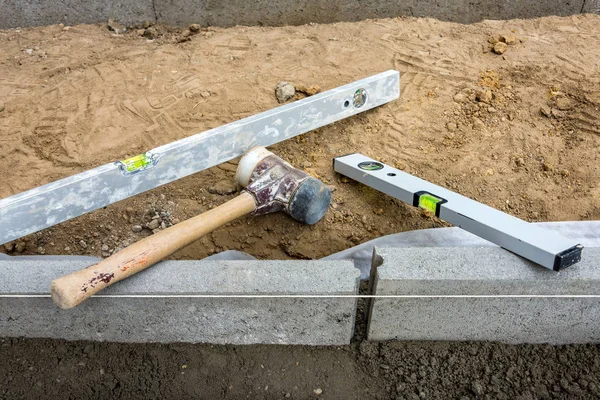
<point x="22" y="13"/>
<point x="170" y="313"/>
<point x="274" y="13"/>
<point x="469" y="293"/>
<point x="591" y="6"/>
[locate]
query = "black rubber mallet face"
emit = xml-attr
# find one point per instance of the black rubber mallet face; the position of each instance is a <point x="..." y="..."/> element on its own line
<point x="277" y="186"/>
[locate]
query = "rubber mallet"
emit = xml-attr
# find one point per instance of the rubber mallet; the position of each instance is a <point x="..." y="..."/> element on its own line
<point x="271" y="185"/>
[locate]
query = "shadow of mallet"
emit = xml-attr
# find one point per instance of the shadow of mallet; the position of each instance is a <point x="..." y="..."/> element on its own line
<point x="271" y="185"/>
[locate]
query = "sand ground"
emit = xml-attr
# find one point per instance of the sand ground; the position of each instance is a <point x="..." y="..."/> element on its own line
<point x="519" y="131"/>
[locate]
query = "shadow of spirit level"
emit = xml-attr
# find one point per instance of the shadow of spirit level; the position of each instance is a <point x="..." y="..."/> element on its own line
<point x="542" y="246"/>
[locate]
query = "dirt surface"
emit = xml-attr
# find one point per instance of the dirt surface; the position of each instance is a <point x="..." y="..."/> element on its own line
<point x="33" y="369"/>
<point x="506" y="112"/>
<point x="519" y="131"/>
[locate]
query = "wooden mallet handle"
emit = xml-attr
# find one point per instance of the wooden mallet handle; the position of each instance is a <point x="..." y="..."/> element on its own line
<point x="70" y="290"/>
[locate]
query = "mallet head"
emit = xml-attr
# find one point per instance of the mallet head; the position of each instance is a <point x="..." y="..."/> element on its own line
<point x="277" y="186"/>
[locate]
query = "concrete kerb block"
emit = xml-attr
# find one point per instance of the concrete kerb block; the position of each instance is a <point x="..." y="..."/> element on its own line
<point x="482" y="294"/>
<point x="71" y="12"/>
<point x="165" y="303"/>
<point x="240" y="12"/>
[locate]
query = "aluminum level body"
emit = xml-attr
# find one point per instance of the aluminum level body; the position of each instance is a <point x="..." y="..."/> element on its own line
<point x="542" y="246"/>
<point x="47" y="205"/>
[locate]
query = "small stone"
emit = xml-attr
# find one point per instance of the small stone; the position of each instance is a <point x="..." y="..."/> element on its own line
<point x="186" y="33"/>
<point x="66" y="28"/>
<point x="9" y="246"/>
<point x="546" y="111"/>
<point x="520" y="162"/>
<point x="2" y="106"/>
<point x="115" y="26"/>
<point x="129" y="211"/>
<point x="318" y="391"/>
<point x="451" y="126"/>
<point x="484" y="95"/>
<point x="20" y="246"/>
<point x="83" y="244"/>
<point x="156" y="230"/>
<point x="345" y="179"/>
<point x="136" y="228"/>
<point x="152" y="225"/>
<point x="288" y="395"/>
<point x="478" y="124"/>
<point x="461" y="97"/>
<point x="205" y="94"/>
<point x="563" y="103"/>
<point x="547" y="167"/>
<point x="194" y="28"/>
<point x="477" y="388"/>
<point x="104" y="247"/>
<point x="306" y="164"/>
<point x="284" y="91"/>
<point x="499" y="48"/>
<point x="223" y="188"/>
<point x="151" y="33"/>
<point x="493" y="39"/>
<point x="564" y="172"/>
<point x="491" y="110"/>
<point x="508" y="38"/>
<point x="41" y="250"/>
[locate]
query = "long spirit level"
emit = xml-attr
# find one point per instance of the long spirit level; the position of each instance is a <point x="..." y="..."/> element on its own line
<point x="537" y="244"/>
<point x="70" y="197"/>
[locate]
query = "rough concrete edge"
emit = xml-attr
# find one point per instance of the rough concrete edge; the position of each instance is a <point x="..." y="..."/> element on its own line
<point x="357" y="281"/>
<point x="514" y="266"/>
<point x="377" y="261"/>
<point x="510" y="274"/>
<point x="206" y="277"/>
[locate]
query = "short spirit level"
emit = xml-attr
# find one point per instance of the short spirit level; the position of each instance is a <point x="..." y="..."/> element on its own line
<point x="537" y="244"/>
